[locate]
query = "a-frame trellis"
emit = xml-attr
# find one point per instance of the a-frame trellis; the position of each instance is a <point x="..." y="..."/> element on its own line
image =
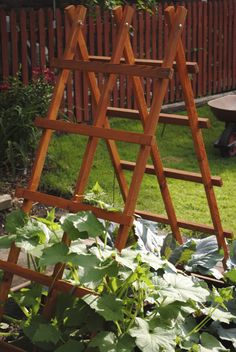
<point x="76" y="57"/>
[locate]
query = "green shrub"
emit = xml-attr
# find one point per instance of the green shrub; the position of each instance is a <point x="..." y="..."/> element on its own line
<point x="19" y="105"/>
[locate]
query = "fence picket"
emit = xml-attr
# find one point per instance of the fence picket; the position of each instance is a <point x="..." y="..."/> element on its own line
<point x="4" y="45"/>
<point x="23" y="46"/>
<point x="14" y="41"/>
<point x="230" y="39"/>
<point x="225" y="67"/>
<point x="234" y="48"/>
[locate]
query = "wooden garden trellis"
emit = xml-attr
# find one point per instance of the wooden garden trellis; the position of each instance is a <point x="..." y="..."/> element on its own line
<point x="76" y="57"/>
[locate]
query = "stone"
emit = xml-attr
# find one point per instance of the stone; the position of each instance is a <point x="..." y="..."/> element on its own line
<point x="5" y="201"/>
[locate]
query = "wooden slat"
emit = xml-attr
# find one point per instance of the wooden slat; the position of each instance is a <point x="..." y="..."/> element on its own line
<point x="92" y="131"/>
<point x="132" y="70"/>
<point x="134" y="42"/>
<point x="99" y="41"/>
<point x="6" y="347"/>
<point x="23" y="47"/>
<point x="205" y="53"/>
<point x="51" y="45"/>
<point x="69" y="90"/>
<point x="42" y="40"/>
<point x="174" y="173"/>
<point x="230" y="40"/>
<point x="164" y="118"/>
<point x="91" y="49"/>
<point x="14" y="42"/>
<point x="4" y="45"/>
<point x="189" y="31"/>
<point x="85" y="93"/>
<point x="200" y="50"/>
<point x="221" y="47"/>
<point x="154" y="36"/>
<point x="73" y="206"/>
<point x="225" y="41"/>
<point x="215" y="47"/>
<point x="210" y="49"/>
<point x="234" y="46"/>
<point x="183" y="224"/>
<point x="42" y="279"/>
<point x="148" y="35"/>
<point x="160" y="51"/>
<point x="194" y="42"/>
<point x="165" y="40"/>
<point x="32" y="37"/>
<point x="191" y="66"/>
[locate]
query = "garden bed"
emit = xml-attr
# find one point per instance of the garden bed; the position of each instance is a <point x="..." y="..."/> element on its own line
<point x="138" y="301"/>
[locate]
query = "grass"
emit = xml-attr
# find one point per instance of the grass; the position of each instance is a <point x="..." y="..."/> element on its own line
<point x="176" y="149"/>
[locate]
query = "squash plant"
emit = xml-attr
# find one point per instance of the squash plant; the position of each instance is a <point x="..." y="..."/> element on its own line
<point x="140" y="301"/>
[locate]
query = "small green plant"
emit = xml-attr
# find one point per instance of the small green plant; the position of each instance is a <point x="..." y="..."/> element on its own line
<point x="139" y="302"/>
<point x="19" y="105"/>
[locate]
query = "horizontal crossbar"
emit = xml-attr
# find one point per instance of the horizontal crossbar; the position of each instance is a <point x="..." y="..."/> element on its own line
<point x="192" y="67"/>
<point x="119" y="69"/>
<point x="6" y="347"/>
<point x="163" y="118"/>
<point x="182" y="223"/>
<point x="92" y="131"/>
<point x="174" y="173"/>
<point x="42" y="279"/>
<point x="73" y="206"/>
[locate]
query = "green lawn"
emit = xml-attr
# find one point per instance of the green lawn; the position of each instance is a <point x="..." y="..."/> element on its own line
<point x="177" y="151"/>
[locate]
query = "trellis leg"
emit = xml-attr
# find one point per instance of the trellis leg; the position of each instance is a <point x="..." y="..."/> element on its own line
<point x="142" y="107"/>
<point x="198" y="141"/>
<point x="43" y="146"/>
<point x="151" y="122"/>
<point x="111" y="145"/>
<point x="100" y="114"/>
<point x="100" y="120"/>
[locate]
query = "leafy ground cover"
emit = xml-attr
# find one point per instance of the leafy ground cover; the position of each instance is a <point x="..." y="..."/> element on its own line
<point x="19" y="105"/>
<point x="137" y="299"/>
<point x="177" y="151"/>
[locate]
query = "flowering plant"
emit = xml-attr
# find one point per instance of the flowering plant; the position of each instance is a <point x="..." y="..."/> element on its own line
<point x="19" y="105"/>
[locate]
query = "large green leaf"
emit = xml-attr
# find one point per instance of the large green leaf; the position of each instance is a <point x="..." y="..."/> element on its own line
<point x="210" y="344"/>
<point x="108" y="306"/>
<point x="206" y="256"/>
<point x="153" y="340"/>
<point x="16" y="219"/>
<point x="7" y="240"/>
<point x="105" y="341"/>
<point x="182" y="253"/>
<point x="82" y="316"/>
<point x="57" y="253"/>
<point x="46" y="333"/>
<point x="41" y="333"/>
<point x="32" y="234"/>
<point x="127" y="258"/>
<point x="82" y="225"/>
<point x="152" y="260"/>
<point x="219" y="315"/>
<point x="71" y="346"/>
<point x="227" y="334"/>
<point x="231" y="275"/>
<point x="108" y="342"/>
<point x="182" y="288"/>
<point x="93" y="275"/>
<point x="85" y="260"/>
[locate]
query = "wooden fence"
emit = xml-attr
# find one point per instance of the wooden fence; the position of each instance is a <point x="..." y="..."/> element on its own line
<point x="32" y="38"/>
